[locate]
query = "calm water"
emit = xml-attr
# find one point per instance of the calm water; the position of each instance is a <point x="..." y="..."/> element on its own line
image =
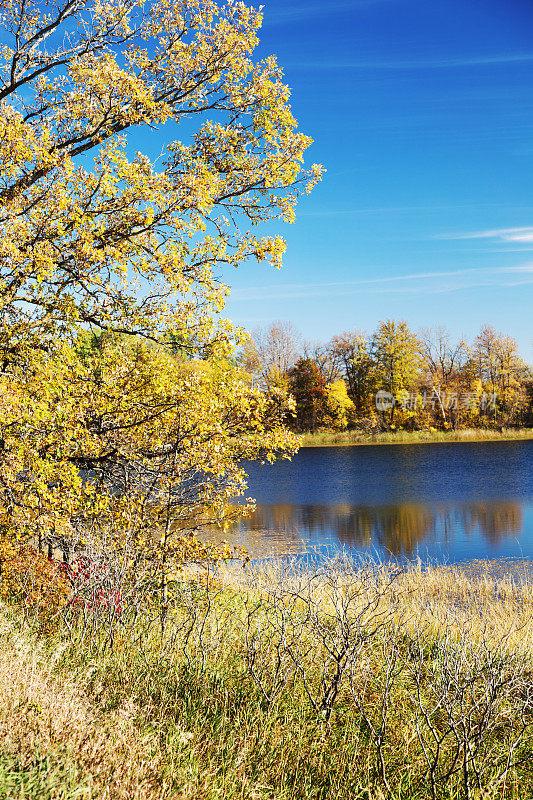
<point x="445" y="502"/>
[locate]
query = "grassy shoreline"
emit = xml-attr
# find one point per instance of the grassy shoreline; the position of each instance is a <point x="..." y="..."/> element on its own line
<point x="331" y="438"/>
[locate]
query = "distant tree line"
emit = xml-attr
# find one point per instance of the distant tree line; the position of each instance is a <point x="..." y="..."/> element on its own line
<point x="394" y="378"/>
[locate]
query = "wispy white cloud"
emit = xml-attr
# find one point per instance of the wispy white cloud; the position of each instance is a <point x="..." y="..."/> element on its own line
<point x="344" y="212"/>
<point x="524" y="234"/>
<point x="417" y="283"/>
<point x="426" y="207"/>
<point x="299" y="11"/>
<point x="421" y="63"/>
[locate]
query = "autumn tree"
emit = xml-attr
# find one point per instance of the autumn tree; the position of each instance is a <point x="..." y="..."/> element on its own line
<point x="442" y="362"/>
<point x="352" y="351"/>
<point x="501" y="372"/>
<point x="325" y="358"/>
<point x="309" y="389"/>
<point x="340" y="407"/>
<point x="396" y="353"/>
<point x="485" y="355"/>
<point x="96" y="238"/>
<point x="271" y="351"/>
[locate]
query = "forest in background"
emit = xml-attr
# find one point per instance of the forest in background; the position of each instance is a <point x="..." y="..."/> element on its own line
<point x="394" y="379"/>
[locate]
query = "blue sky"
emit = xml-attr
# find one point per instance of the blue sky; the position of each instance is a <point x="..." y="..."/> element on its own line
<point x="422" y="113"/>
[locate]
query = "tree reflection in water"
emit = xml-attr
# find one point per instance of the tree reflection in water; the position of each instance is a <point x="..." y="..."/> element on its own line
<point x="398" y="529"/>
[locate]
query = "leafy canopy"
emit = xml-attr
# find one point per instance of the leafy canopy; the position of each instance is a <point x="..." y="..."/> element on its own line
<point x="110" y="261"/>
<point x="91" y="234"/>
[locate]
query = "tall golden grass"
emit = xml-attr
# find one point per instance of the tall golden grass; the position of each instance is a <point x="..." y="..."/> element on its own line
<point x="327" y="437"/>
<point x="54" y="740"/>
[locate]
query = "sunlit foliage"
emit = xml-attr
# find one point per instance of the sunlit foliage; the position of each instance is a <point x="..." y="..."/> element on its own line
<point x="122" y="413"/>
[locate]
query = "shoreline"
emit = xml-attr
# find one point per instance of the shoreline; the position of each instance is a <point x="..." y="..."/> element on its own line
<point x="354" y="439"/>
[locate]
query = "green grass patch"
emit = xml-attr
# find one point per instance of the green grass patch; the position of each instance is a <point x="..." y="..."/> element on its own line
<point x="36" y="777"/>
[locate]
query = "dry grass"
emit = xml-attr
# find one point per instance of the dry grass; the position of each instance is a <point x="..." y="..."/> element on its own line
<point x="492" y="599"/>
<point x="326" y="438"/>
<point x="482" y="600"/>
<point x="54" y="742"/>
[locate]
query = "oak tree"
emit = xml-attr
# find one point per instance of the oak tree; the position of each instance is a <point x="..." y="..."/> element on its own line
<point x="146" y="426"/>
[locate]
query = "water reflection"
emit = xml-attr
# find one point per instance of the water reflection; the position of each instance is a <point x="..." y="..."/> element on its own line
<point x="449" y="502"/>
<point x="398" y="529"/>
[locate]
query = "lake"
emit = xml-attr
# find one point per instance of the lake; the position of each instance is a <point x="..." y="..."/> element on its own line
<point x="444" y="502"/>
